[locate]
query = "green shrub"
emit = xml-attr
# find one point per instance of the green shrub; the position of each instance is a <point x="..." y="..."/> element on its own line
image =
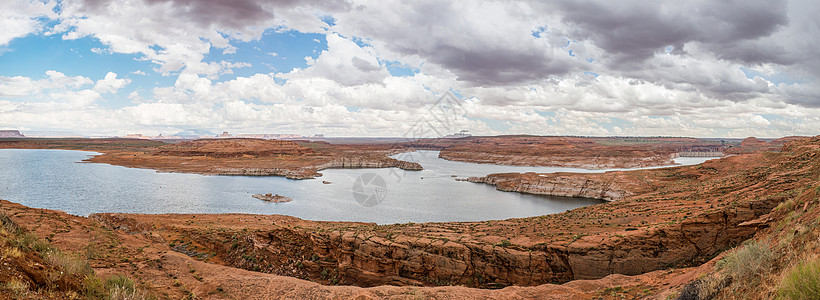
<point x="747" y="263"/>
<point x="802" y="282"/>
<point x="504" y="243"/>
<point x="70" y="264"/>
<point x="119" y="282"/>
<point x="116" y="287"/>
<point x="8" y="224"/>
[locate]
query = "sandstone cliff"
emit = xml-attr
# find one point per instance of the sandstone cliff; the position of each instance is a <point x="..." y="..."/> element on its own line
<point x="556" y="184"/>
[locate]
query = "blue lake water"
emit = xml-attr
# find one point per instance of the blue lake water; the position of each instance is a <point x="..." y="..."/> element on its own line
<point x="54" y="179"/>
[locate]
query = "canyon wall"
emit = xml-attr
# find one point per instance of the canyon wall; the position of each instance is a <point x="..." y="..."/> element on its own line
<point x="555" y="184"/>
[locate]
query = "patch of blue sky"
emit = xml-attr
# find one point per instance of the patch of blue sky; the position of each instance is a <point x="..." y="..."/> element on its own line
<point x="545" y="113"/>
<point x="494" y="124"/>
<point x="329" y="20"/>
<point x="592" y="73"/>
<point x="274" y="52"/>
<point x="612" y="122"/>
<point x="539" y="31"/>
<point x="427" y="88"/>
<point x="777" y="78"/>
<point x="361" y="42"/>
<point x="398" y="69"/>
<point x="33" y="55"/>
<point x="772" y="117"/>
<point x="457" y="93"/>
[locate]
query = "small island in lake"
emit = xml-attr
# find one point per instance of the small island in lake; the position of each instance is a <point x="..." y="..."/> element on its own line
<point x="272" y="198"/>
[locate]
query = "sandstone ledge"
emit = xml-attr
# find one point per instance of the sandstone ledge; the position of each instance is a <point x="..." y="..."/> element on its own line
<point x="555" y="184"/>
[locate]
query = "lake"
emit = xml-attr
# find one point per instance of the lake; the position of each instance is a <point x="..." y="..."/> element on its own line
<point x="53" y="179"/>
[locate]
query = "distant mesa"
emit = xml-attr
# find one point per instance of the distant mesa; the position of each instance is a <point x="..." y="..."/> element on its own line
<point x="235" y="147"/>
<point x="11" y="134"/>
<point x="224" y="134"/>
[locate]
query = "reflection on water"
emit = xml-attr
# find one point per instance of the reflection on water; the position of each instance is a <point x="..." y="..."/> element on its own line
<point x="51" y="179"/>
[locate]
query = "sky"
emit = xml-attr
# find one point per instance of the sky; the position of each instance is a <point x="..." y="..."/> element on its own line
<point x="375" y="68"/>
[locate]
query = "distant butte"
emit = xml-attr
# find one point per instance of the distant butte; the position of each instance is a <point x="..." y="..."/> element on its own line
<point x="11" y="134"/>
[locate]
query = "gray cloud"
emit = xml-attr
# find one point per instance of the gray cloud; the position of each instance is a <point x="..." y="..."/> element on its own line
<point x="484" y="43"/>
<point x="228" y="14"/>
<point x="636" y="30"/>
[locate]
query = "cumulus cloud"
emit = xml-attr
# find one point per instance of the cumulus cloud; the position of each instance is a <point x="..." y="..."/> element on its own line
<point x="110" y="84"/>
<point x="345" y="62"/>
<point x="177" y="34"/>
<point x="481" y="42"/>
<point x="18" y="18"/>
<point x="19" y="86"/>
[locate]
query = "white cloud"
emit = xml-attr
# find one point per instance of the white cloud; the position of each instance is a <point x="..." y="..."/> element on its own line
<point x="344" y="62"/>
<point x="18" y="18"/>
<point x="19" y="86"/>
<point x="110" y="84"/>
<point x="102" y="51"/>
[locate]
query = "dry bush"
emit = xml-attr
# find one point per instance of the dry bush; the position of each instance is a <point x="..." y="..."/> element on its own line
<point x="802" y="281"/>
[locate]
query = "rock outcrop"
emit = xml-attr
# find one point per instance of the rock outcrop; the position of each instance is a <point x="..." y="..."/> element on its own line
<point x="272" y="198"/>
<point x="313" y="171"/>
<point x="556" y="184"/>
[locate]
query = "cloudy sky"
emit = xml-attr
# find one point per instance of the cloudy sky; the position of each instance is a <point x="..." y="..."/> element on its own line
<point x="374" y="68"/>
